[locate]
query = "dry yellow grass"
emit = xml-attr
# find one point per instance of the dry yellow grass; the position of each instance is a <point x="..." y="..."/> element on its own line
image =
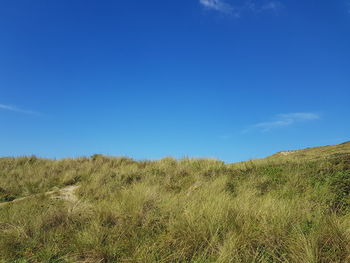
<point x="189" y="210"/>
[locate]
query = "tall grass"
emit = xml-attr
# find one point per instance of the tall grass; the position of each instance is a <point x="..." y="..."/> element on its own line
<point x="170" y="210"/>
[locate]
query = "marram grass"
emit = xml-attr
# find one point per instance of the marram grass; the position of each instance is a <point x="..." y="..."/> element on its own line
<point x="189" y="210"/>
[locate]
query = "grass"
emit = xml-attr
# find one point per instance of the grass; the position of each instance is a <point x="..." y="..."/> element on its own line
<point x="279" y="209"/>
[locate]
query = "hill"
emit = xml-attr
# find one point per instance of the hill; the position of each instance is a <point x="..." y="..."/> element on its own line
<point x="314" y="153"/>
<point x="292" y="207"/>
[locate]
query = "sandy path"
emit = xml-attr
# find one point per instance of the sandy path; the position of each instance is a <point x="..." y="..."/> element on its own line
<point x="66" y="193"/>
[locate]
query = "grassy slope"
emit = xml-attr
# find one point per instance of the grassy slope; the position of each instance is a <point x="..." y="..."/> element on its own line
<point x="293" y="208"/>
<point x="314" y="153"/>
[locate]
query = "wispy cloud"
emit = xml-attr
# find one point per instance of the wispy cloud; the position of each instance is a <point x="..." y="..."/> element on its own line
<point x="272" y="5"/>
<point x="16" y="109"/>
<point x="283" y="120"/>
<point x="217" y="5"/>
<point x="237" y="9"/>
<point x="300" y="116"/>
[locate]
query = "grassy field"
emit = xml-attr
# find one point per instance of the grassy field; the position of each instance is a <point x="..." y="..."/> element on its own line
<point x="292" y="207"/>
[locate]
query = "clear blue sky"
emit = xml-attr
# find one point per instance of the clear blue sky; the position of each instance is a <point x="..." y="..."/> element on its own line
<point x="202" y="78"/>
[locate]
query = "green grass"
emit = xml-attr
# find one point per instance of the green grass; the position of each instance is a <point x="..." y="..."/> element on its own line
<point x="293" y="208"/>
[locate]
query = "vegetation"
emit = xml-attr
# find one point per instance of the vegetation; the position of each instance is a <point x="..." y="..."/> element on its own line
<point x="293" y="208"/>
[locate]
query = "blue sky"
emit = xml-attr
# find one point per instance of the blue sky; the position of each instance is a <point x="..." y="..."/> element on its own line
<point x="228" y="79"/>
